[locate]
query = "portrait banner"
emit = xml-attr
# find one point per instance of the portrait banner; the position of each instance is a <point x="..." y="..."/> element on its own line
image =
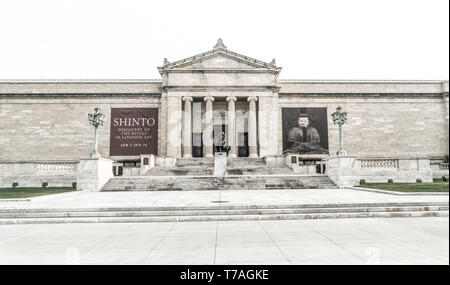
<point x="134" y="131"/>
<point x="305" y="130"/>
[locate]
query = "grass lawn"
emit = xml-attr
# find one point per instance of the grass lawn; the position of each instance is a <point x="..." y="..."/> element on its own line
<point x="25" y="192"/>
<point x="438" y="185"/>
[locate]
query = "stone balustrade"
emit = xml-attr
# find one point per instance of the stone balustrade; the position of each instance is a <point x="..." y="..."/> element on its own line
<point x="443" y="166"/>
<point x="56" y="168"/>
<point x="34" y="173"/>
<point x="367" y="164"/>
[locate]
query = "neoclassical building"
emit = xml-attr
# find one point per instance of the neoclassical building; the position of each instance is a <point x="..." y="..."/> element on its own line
<point x="221" y="98"/>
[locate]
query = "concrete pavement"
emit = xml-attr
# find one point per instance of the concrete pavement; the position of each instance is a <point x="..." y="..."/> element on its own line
<point x="339" y="241"/>
<point x="208" y="198"/>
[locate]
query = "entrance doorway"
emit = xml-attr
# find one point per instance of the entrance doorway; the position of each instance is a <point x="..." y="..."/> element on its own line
<point x="243" y="150"/>
<point x="197" y="144"/>
<point x="220" y="134"/>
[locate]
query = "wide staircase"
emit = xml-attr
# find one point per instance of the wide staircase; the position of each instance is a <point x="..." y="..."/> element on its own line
<point x="205" y="166"/>
<point x="222" y="213"/>
<point x="197" y="174"/>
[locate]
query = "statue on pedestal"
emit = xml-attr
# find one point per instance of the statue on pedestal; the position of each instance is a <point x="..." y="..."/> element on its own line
<point x="221" y="143"/>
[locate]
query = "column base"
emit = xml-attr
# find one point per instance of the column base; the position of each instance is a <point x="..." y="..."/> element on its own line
<point x="187" y="152"/>
<point x="232" y="155"/>
<point x="253" y="155"/>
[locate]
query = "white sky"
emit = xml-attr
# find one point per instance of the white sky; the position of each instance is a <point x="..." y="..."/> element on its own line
<point x="317" y="39"/>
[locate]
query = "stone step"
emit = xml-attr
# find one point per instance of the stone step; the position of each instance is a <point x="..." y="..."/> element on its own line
<point x="222" y="213"/>
<point x="230" y="207"/>
<point x="195" y="162"/>
<point x="163" y="183"/>
<point x="145" y="213"/>
<point x="221" y="218"/>
<point x="205" y="166"/>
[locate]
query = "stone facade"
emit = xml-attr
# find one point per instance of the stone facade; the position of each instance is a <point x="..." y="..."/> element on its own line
<point x="44" y="120"/>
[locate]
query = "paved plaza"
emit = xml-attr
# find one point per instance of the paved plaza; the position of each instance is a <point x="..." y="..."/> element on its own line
<point x="340" y="241"/>
<point x="209" y="198"/>
<point x="335" y="241"/>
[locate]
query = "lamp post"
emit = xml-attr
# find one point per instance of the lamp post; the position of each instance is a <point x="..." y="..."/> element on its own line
<point x="340" y="118"/>
<point x="96" y="119"/>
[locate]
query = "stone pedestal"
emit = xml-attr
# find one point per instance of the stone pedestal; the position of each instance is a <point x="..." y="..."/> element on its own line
<point x="342" y="170"/>
<point x="304" y="163"/>
<point x="147" y="162"/>
<point x="220" y="164"/>
<point x="93" y="173"/>
<point x="165" y="161"/>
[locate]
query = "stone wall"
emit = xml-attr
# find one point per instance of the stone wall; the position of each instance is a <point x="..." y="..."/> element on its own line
<point x="383" y="125"/>
<point x="42" y="121"/>
<point x="56" y="127"/>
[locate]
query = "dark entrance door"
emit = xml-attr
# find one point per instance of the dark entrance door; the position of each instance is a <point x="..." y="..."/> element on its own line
<point x="197" y="144"/>
<point x="219" y="132"/>
<point x="243" y="150"/>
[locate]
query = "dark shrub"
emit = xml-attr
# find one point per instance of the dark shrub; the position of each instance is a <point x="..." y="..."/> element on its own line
<point x="44" y="184"/>
<point x="15" y="184"/>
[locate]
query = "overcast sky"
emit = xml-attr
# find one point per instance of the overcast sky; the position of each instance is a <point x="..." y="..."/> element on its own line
<point x="317" y="39"/>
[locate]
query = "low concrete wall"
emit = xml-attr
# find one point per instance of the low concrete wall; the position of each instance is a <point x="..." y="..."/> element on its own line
<point x="439" y="169"/>
<point x="402" y="170"/>
<point x="34" y="173"/>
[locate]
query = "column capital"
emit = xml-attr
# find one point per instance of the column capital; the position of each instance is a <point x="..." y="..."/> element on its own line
<point x="208" y="98"/>
<point x="187" y="98"/>
<point x="252" y="98"/>
<point x="231" y="98"/>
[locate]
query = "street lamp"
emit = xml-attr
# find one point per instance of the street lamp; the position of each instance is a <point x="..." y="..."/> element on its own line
<point x="96" y="119"/>
<point x="340" y="118"/>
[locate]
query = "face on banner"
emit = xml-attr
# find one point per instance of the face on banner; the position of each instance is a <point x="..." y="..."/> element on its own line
<point x="134" y="131"/>
<point x="305" y="130"/>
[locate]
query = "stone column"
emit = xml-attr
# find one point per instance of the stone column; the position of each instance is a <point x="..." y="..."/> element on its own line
<point x="232" y="125"/>
<point x="208" y="131"/>
<point x="187" y="127"/>
<point x="267" y="125"/>
<point x="446" y="112"/>
<point x="253" y="149"/>
<point x="174" y="126"/>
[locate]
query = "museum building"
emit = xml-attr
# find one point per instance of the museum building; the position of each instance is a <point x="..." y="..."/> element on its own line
<point x="223" y="101"/>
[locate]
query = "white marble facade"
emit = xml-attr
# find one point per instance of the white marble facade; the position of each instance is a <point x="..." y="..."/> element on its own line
<point x="46" y="120"/>
<point x="218" y="80"/>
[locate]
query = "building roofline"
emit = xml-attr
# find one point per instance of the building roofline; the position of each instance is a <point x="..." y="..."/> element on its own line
<point x="80" y="80"/>
<point x="324" y="81"/>
<point x="363" y="81"/>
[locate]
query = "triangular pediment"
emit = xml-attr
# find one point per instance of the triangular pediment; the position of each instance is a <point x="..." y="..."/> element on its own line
<point x="220" y="58"/>
<point x="219" y="61"/>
